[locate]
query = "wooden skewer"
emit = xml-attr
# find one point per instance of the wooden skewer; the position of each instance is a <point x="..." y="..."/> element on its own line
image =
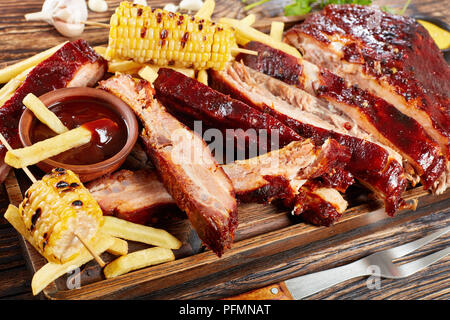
<point x="88" y="247"/>
<point x="242" y="50"/>
<point x="25" y="169"/>
<point x="97" y="24"/>
<point x="34" y="180"/>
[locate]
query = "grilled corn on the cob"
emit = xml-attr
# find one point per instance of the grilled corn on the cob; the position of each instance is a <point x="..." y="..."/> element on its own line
<point x="168" y="39"/>
<point x="54" y="209"/>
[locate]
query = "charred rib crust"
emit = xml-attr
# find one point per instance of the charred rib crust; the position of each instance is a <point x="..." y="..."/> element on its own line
<point x="189" y="96"/>
<point x="369" y="162"/>
<point x="394" y="50"/>
<point x="403" y="132"/>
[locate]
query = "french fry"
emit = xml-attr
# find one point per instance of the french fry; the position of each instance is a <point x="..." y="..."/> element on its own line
<point x="126" y="66"/>
<point x="24" y="157"/>
<point x="13" y="70"/>
<point x="245" y="34"/>
<point x="7" y="91"/>
<point x="276" y="30"/>
<point x="138" y="260"/>
<point x="135" y="232"/>
<point x="206" y="10"/>
<point x="119" y="247"/>
<point x="187" y="72"/>
<point x="148" y="73"/>
<point x="202" y="77"/>
<point x="52" y="271"/>
<point x="249" y="20"/>
<point x="100" y="51"/>
<point x="44" y="115"/>
<point x="12" y="215"/>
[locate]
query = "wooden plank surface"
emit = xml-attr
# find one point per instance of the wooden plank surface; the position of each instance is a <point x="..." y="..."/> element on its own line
<point x="429" y="284"/>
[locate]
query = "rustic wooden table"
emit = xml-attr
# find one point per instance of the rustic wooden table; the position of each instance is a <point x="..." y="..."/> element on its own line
<point x="20" y="39"/>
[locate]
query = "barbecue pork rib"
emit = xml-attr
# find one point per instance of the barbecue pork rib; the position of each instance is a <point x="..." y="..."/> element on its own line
<point x="376" y="166"/>
<point x="391" y="56"/>
<point x="184" y="95"/>
<point x="131" y="195"/>
<point x="75" y="64"/>
<point x="189" y="97"/>
<point x="374" y="115"/>
<point x="184" y="163"/>
<point x="286" y="174"/>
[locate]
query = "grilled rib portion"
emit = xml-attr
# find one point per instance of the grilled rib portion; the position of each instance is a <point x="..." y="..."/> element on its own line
<point x="74" y="65"/>
<point x="376" y="116"/>
<point x="131" y="195"/>
<point x="372" y="164"/>
<point x="192" y="98"/>
<point x="389" y="55"/>
<point x="286" y="174"/>
<point x="187" y="169"/>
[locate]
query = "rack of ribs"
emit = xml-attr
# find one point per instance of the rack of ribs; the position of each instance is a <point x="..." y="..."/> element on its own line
<point x="388" y="126"/>
<point x="374" y="165"/>
<point x="184" y="163"/>
<point x="390" y="56"/>
<point x="187" y="96"/>
<point x="75" y="64"/>
<point x="288" y="174"/>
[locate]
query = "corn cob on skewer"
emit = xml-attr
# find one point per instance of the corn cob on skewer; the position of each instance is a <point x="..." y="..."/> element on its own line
<point x="54" y="209"/>
<point x="168" y="39"/>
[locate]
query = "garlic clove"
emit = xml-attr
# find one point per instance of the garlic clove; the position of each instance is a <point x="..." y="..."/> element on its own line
<point x="69" y="30"/>
<point x="98" y="5"/>
<point x="191" y="5"/>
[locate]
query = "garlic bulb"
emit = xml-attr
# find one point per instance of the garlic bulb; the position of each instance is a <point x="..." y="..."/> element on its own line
<point x="64" y="15"/>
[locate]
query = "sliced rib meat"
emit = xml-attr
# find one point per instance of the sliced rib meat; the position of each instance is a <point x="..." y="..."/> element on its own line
<point x="377" y="117"/>
<point x="75" y="64"/>
<point x="185" y="95"/>
<point x="184" y="163"/>
<point x="389" y="55"/>
<point x="374" y="165"/>
<point x="131" y="195"/>
<point x="285" y="174"/>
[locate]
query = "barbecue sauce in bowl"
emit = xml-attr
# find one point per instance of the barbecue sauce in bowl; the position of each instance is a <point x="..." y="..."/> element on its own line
<point x="109" y="130"/>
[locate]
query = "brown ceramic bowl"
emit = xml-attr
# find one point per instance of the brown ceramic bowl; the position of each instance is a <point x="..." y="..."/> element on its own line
<point x="91" y="171"/>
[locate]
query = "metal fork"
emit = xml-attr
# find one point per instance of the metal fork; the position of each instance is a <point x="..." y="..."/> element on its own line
<point x="379" y="263"/>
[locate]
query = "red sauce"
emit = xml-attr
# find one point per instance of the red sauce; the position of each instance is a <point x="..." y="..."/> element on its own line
<point x="109" y="131"/>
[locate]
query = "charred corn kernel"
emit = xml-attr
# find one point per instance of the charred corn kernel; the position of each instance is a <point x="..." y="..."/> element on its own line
<point x="165" y="38"/>
<point x="54" y="209"/>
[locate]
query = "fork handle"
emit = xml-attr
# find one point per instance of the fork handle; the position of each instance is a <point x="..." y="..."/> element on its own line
<point x="306" y="285"/>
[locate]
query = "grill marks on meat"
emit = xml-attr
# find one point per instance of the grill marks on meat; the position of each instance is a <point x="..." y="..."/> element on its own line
<point x="374" y="165"/>
<point x="74" y="65"/>
<point x="192" y="98"/>
<point x="184" y="163"/>
<point x="392" y="56"/>
<point x="379" y="118"/>
<point x="278" y="175"/>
